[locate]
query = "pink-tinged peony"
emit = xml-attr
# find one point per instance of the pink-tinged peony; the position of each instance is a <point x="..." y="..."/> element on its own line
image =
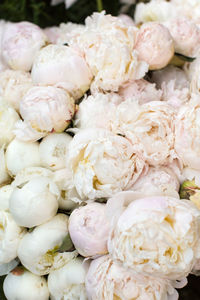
<point x="102" y="163"/>
<point x="63" y="67"/>
<point x="187" y="8"/>
<point x="158" y="181"/>
<point x="187" y="133"/>
<point x="174" y="85"/>
<point x="14" y="85"/>
<point x="126" y="20"/>
<point x="20" y="44"/>
<point x="69" y="32"/>
<point x="89" y="228"/>
<point x="157" y="236"/>
<point x="140" y="90"/>
<point x="108" y="45"/>
<point x="97" y="110"/>
<point x="44" y="110"/>
<point x="107" y="280"/>
<point x="151" y="127"/>
<point x="154" y="45"/>
<point x="186" y="36"/>
<point x="52" y="34"/>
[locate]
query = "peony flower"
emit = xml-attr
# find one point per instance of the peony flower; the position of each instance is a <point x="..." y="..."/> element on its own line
<point x="52" y="33"/>
<point x="189" y="9"/>
<point x="2" y="28"/>
<point x="150" y="127"/>
<point x="186" y="36"/>
<point x="157" y="236"/>
<point x="53" y="150"/>
<point x="68" y="3"/>
<point x="154" y="11"/>
<point x="107" y="280"/>
<point x="35" y="202"/>
<point x="154" y="45"/>
<point x="11" y="234"/>
<point x="68" y="282"/>
<point x="89" y="228"/>
<point x="68" y="32"/>
<point x="6" y="268"/>
<point x="192" y="71"/>
<point x="108" y="45"/>
<point x="140" y="90"/>
<point x="20" y="44"/>
<point x="127" y="20"/>
<point x="25" y="285"/>
<point x="187" y="130"/>
<point x="13" y="86"/>
<point x="20" y="155"/>
<point x="38" y="250"/>
<point x="97" y="110"/>
<point x="44" y="110"/>
<point x="63" y="67"/>
<point x="158" y="181"/>
<point x="4" y="176"/>
<point x="5" y="193"/>
<point x="102" y="163"/>
<point x="8" y="117"/>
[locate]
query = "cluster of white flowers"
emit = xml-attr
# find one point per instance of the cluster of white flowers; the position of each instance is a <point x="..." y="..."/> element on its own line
<point x="99" y="128"/>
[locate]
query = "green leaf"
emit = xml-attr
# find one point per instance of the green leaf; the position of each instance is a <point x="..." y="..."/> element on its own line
<point x="185" y="58"/>
<point x="187" y="189"/>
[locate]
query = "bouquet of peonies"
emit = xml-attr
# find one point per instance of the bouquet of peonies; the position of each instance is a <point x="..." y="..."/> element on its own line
<point x="100" y="155"/>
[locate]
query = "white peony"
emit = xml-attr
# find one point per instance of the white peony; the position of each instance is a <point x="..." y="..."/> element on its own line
<point x="44" y="110"/>
<point x="68" y="3"/>
<point x="25" y="285"/>
<point x="108" y="45"/>
<point x="20" y="44"/>
<point x="20" y="155"/>
<point x="35" y="202"/>
<point x="107" y="280"/>
<point x="97" y="110"/>
<point x="13" y="86"/>
<point x="150" y="127"/>
<point x="38" y="250"/>
<point x="154" y="11"/>
<point x="192" y="70"/>
<point x="154" y="45"/>
<point x="187" y="133"/>
<point x="89" y="228"/>
<point x="141" y="91"/>
<point x="102" y="163"/>
<point x="5" y="193"/>
<point x="68" y="282"/>
<point x="63" y="67"/>
<point x="158" y="181"/>
<point x="53" y="150"/>
<point x="157" y="236"/>
<point x="10" y="234"/>
<point x="4" y="176"/>
<point x="188" y="8"/>
<point x="69" y="31"/>
<point x="8" y="117"/>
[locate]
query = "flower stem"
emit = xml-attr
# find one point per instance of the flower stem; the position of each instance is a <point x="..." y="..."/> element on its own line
<point x="99" y="5"/>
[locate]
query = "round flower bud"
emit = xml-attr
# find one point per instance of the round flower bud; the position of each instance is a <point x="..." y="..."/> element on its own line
<point x="107" y="280"/>
<point x="140" y="90"/>
<point x="158" y="181"/>
<point x="35" y="202"/>
<point x="25" y="286"/>
<point x="108" y="163"/>
<point x="4" y="176"/>
<point x="20" y="155"/>
<point x="11" y="234"/>
<point x="186" y="36"/>
<point x="53" y="149"/>
<point x="63" y="67"/>
<point x="68" y="282"/>
<point x="97" y="111"/>
<point x="156" y="236"/>
<point x="187" y="133"/>
<point x="14" y="85"/>
<point x="89" y="228"/>
<point x="44" y="110"/>
<point x="8" y="117"/>
<point x="5" y="193"/>
<point x="20" y="44"/>
<point x="38" y="250"/>
<point x="154" y="45"/>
